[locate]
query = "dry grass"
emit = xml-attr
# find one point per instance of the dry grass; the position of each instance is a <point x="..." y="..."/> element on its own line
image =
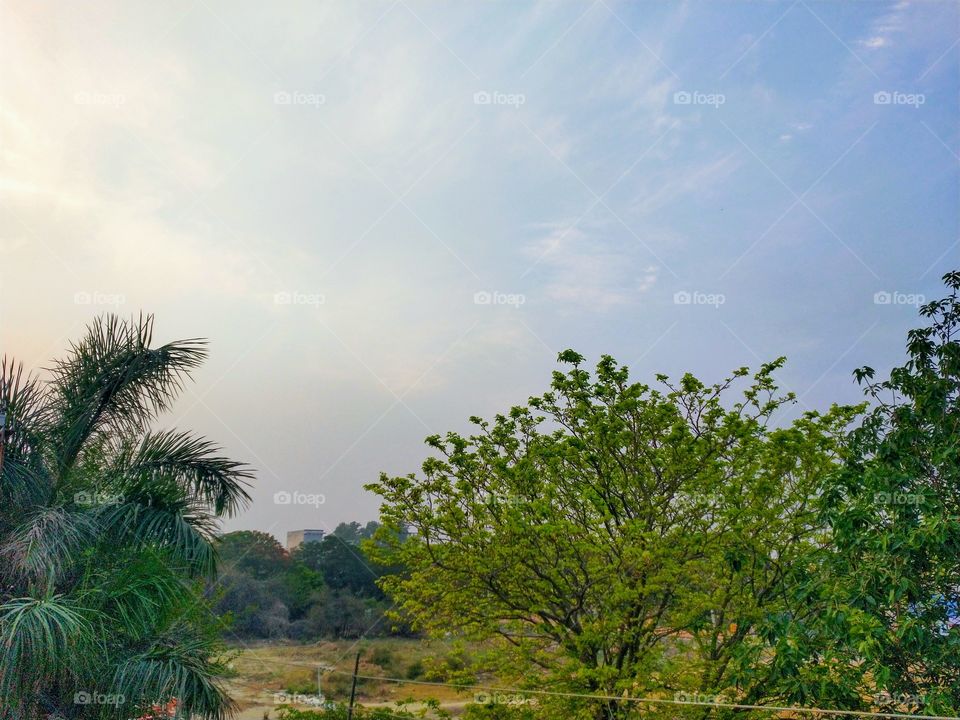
<point x="265" y="670"/>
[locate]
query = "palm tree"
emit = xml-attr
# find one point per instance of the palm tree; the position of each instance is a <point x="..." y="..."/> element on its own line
<point x="106" y="534"/>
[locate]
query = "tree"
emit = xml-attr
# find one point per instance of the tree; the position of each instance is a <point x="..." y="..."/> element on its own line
<point x="106" y="529"/>
<point x="349" y="532"/>
<point x="343" y="566"/>
<point x="257" y="554"/>
<point x="616" y="538"/>
<point x="890" y="587"/>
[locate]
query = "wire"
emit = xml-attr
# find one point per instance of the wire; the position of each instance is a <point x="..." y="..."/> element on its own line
<point x="735" y="706"/>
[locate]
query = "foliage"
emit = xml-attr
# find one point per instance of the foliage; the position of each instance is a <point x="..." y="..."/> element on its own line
<point x="617" y="538"/>
<point x="321" y="589"/>
<point x="890" y="589"/>
<point x="353" y="532"/>
<point x="253" y="553"/>
<point x="340" y="712"/>
<point x="106" y="529"/>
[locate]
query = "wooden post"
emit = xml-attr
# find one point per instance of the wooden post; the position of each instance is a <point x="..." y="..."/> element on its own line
<point x="353" y="686"/>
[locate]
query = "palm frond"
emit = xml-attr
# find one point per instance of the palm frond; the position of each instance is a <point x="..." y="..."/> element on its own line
<point x="177" y="667"/>
<point x="138" y="593"/>
<point x="42" y="640"/>
<point x="192" y="463"/>
<point x="174" y="527"/>
<point x="23" y="478"/>
<point x="46" y="542"/>
<point x="112" y="379"/>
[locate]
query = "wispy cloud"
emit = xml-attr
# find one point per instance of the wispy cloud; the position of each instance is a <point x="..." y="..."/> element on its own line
<point x="581" y="269"/>
<point x="882" y="33"/>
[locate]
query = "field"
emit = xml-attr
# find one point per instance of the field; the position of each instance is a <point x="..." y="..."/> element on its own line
<point x="267" y="675"/>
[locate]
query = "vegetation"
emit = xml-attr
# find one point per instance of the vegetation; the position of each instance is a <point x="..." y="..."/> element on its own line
<point x="623" y="540"/>
<point x="609" y="537"/>
<point x="106" y="530"/>
<point x="324" y="589"/>
<point x="889" y="584"/>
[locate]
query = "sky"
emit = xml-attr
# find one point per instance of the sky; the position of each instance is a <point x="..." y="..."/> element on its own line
<point x="390" y="216"/>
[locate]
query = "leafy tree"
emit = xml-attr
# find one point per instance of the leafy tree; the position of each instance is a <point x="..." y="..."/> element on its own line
<point x="349" y="532"/>
<point x="257" y="554"/>
<point x="616" y="538"/>
<point x="343" y="566"/>
<point x="106" y="528"/>
<point x="354" y="533"/>
<point x="890" y="589"/>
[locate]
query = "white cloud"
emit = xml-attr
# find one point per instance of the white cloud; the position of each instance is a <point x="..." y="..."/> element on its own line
<point x="582" y="270"/>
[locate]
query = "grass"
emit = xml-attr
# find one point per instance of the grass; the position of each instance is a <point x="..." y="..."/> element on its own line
<point x="262" y="670"/>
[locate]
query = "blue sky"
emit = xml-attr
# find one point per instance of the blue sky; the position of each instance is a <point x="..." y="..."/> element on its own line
<point x="389" y="216"/>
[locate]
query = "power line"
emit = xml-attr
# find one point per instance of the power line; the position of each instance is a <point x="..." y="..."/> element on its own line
<point x="652" y="701"/>
<point x="619" y="698"/>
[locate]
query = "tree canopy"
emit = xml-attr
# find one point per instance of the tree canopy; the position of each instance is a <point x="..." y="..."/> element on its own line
<point x="619" y="538"/>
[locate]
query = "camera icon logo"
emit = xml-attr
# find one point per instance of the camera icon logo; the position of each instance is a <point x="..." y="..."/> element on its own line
<point x="681" y="298"/>
<point x="282" y="498"/>
<point x="882" y="98"/>
<point x="682" y="97"/>
<point x="482" y="98"/>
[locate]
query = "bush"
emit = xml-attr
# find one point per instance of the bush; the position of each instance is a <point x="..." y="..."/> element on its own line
<point x="415" y="670"/>
<point x="340" y="713"/>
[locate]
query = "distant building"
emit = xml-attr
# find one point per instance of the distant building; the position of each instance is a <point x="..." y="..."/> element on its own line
<point x="296" y="538"/>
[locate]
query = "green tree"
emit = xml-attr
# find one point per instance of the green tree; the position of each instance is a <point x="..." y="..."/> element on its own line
<point x="254" y="553"/>
<point x="349" y="532"/>
<point x="106" y="529"/>
<point x="344" y="566"/>
<point x="617" y="538"/>
<point x="890" y="587"/>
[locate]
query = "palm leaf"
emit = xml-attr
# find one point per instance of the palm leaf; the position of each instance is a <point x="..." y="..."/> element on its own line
<point x="48" y="541"/>
<point x="192" y="463"/>
<point x="177" y="666"/>
<point x="42" y="640"/>
<point x="174" y="527"/>
<point x="113" y="380"/>
<point x="23" y="478"/>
